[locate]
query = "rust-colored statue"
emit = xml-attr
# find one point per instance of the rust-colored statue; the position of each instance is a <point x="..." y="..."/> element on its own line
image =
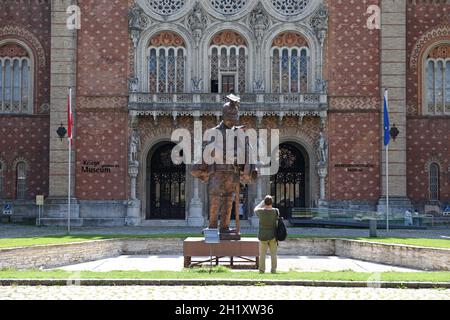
<point x="224" y="179"/>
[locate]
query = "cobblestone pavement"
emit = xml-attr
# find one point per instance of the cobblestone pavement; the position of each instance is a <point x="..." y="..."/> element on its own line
<point x="16" y="231"/>
<point x="285" y="263"/>
<point x="217" y="293"/>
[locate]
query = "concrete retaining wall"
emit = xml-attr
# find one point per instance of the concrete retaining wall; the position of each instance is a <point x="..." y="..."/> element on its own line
<point x="415" y="257"/>
<point x="51" y="256"/>
<point x="307" y="247"/>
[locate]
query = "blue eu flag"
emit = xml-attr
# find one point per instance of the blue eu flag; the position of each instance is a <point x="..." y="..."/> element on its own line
<point x="386" y="119"/>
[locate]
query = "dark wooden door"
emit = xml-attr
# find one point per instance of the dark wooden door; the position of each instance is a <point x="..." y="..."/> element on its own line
<point x="228" y="83"/>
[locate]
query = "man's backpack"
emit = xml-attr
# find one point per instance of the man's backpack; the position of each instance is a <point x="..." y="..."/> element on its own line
<point x="281" y="233"/>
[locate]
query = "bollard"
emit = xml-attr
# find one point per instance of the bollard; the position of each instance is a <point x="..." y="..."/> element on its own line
<point x="373" y="228"/>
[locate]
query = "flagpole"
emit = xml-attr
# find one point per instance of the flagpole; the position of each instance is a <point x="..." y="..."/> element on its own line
<point x="386" y="142"/>
<point x="70" y="160"/>
<point x="387" y="187"/>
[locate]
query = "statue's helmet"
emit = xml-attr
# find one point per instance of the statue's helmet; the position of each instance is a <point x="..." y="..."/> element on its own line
<point x="231" y="108"/>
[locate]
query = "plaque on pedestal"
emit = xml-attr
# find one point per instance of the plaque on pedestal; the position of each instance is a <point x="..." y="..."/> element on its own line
<point x="211" y="235"/>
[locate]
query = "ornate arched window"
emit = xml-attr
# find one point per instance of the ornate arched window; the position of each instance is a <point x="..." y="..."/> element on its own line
<point x="434" y="181"/>
<point x="166" y="63"/>
<point x="290" y="7"/>
<point x="228" y="62"/>
<point x="21" y="180"/>
<point x="228" y="6"/>
<point x="166" y="7"/>
<point x="290" y="60"/>
<point x="15" y="79"/>
<point x="437" y="81"/>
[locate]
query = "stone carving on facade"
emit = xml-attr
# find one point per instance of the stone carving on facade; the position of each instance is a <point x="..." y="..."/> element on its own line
<point x="321" y="86"/>
<point x="196" y="84"/>
<point x="45" y="108"/>
<point x="137" y="21"/>
<point x="259" y="21"/>
<point x="322" y="167"/>
<point x="134" y="147"/>
<point x="133" y="84"/>
<point x="289" y="39"/>
<point x="319" y="23"/>
<point x="197" y="22"/>
<point x="323" y="149"/>
<point x="228" y="38"/>
<point x="258" y="85"/>
<point x="167" y="39"/>
<point x="133" y="209"/>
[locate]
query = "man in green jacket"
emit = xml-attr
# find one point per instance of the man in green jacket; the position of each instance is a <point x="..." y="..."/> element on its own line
<point x="268" y="217"/>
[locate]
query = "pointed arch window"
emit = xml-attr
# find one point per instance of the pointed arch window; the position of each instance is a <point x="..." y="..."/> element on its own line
<point x="166" y="63"/>
<point x="290" y="63"/>
<point x="228" y="62"/>
<point x="21" y="180"/>
<point x="434" y="181"/>
<point x="437" y="81"/>
<point x="15" y="79"/>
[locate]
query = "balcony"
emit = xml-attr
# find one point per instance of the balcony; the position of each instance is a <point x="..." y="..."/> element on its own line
<point x="252" y="104"/>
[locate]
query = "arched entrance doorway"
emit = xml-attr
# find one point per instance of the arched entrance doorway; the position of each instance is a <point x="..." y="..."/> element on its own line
<point x="288" y="186"/>
<point x="165" y="184"/>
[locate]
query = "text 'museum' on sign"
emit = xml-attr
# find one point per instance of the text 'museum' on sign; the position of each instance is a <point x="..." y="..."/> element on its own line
<point x="354" y="167"/>
<point x="94" y="166"/>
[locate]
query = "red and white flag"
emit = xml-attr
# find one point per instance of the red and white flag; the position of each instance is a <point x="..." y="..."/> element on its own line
<point x="69" y="117"/>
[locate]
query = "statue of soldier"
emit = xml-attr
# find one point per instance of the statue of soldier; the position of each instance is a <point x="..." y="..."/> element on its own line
<point x="223" y="179"/>
<point x="323" y="149"/>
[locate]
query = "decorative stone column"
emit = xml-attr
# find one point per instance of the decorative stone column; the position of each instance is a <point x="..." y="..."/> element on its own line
<point x="260" y="23"/>
<point x="134" y="204"/>
<point x="254" y="220"/>
<point x="195" y="218"/>
<point x="322" y="170"/>
<point x="319" y="23"/>
<point x="197" y="22"/>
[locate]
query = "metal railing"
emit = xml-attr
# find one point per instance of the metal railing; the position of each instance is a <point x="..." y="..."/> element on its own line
<point x="343" y="216"/>
<point x="302" y="101"/>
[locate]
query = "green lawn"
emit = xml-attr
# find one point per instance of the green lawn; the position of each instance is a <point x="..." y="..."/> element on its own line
<point x="224" y="273"/>
<point x="59" y="239"/>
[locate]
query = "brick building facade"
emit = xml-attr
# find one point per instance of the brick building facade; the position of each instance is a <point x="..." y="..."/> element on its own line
<point x="143" y="68"/>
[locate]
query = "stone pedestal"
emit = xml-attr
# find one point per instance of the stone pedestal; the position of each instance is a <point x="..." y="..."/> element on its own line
<point x="195" y="218"/>
<point x="133" y="217"/>
<point x="246" y="247"/>
<point x="322" y="170"/>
